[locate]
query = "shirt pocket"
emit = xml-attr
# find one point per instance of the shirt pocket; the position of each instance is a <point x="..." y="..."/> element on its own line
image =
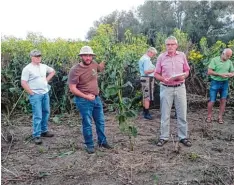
<point x="179" y="65"/>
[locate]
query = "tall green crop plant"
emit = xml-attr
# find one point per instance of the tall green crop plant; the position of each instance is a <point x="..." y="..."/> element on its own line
<point x="123" y="105"/>
<point x="115" y="81"/>
<point x="15" y="55"/>
<point x="112" y="80"/>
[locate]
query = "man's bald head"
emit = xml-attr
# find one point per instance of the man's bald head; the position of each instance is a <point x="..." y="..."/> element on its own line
<point x="227" y="53"/>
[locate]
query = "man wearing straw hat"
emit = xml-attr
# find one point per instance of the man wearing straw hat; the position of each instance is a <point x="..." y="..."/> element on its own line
<point x="83" y="84"/>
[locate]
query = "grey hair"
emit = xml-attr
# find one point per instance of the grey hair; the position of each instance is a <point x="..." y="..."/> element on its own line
<point x="171" y="38"/>
<point x="225" y="50"/>
<point x="152" y="49"/>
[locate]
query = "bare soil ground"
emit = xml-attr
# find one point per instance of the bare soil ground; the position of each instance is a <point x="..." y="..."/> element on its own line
<point x="62" y="160"/>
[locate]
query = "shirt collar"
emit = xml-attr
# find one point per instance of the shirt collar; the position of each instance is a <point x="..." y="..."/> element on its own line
<point x="177" y="53"/>
<point x="147" y="56"/>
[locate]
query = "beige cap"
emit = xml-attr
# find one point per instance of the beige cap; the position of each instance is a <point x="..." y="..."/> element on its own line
<point x="35" y="53"/>
<point x="86" y="50"/>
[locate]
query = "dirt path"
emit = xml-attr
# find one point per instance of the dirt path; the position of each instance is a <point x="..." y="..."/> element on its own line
<point x="63" y="161"/>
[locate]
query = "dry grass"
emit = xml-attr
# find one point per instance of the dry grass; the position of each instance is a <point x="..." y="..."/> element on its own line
<point x="62" y="160"/>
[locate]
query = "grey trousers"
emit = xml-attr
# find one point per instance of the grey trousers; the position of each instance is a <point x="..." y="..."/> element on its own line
<point x="167" y="96"/>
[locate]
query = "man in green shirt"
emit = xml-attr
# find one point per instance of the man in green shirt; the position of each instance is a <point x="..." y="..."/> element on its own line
<point x="220" y="69"/>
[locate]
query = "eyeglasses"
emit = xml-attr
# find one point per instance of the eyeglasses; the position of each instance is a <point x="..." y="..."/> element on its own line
<point x="170" y="44"/>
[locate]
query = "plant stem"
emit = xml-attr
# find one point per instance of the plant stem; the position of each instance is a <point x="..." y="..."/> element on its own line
<point x="8" y="117"/>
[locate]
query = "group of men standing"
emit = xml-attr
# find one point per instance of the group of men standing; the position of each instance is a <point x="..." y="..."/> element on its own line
<point x="83" y="84"/>
<point x="172" y="89"/>
<point x="171" y="70"/>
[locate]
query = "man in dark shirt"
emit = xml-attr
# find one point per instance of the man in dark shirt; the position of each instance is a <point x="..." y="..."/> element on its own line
<point x="83" y="84"/>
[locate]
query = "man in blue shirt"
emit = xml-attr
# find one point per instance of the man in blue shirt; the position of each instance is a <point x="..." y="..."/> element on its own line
<point x="147" y="80"/>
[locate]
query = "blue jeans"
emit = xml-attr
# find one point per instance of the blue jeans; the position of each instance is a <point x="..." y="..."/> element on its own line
<point x="218" y="86"/>
<point x="41" y="112"/>
<point x="88" y="110"/>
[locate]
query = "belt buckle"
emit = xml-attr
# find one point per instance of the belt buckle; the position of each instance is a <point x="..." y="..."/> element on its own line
<point x="179" y="84"/>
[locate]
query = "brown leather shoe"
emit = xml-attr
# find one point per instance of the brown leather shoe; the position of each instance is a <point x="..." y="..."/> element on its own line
<point x="47" y="134"/>
<point x="105" y="145"/>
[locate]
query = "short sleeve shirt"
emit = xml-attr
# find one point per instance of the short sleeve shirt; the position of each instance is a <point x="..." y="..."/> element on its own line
<point x="145" y="64"/>
<point x="85" y="78"/>
<point x="35" y="76"/>
<point x="219" y="66"/>
<point x="168" y="66"/>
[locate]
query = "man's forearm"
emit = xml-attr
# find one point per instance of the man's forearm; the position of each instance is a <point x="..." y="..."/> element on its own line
<point x="26" y="87"/>
<point x="186" y="74"/>
<point x="159" y="77"/>
<point x="50" y="76"/>
<point x="149" y="71"/>
<point x="211" y="72"/>
<point x="77" y="92"/>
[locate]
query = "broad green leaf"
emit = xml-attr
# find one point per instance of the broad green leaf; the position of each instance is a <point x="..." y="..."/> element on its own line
<point x="64" y="78"/>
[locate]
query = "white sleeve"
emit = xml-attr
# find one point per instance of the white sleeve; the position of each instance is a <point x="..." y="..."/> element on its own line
<point x="25" y="74"/>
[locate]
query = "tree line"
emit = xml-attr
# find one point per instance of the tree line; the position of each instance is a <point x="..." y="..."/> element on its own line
<point x="211" y="19"/>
